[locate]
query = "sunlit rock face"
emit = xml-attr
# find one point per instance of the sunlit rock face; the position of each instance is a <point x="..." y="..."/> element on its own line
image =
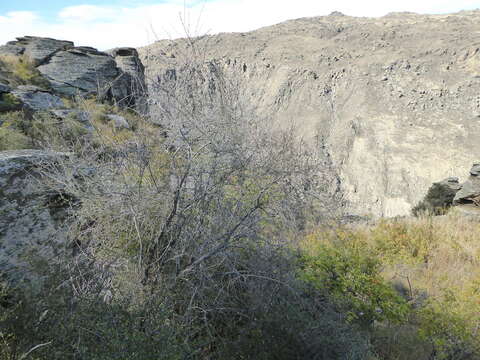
<point x="395" y="100"/>
<point x="31" y="222"/>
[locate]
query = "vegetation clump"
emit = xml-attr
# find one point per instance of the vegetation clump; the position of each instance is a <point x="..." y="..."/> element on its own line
<point x="20" y="70"/>
<point x="438" y="200"/>
<point x="433" y="263"/>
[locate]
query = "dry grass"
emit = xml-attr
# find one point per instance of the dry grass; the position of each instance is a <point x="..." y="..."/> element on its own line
<point x="11" y="139"/>
<point x="447" y="252"/>
<point x="20" y="70"/>
<point x="141" y="129"/>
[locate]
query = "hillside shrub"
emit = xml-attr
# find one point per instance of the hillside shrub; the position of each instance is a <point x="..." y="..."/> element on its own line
<point x="436" y="202"/>
<point x="434" y="263"/>
<point x="63" y="313"/>
<point x="351" y="274"/>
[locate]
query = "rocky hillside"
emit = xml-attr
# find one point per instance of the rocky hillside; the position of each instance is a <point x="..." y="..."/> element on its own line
<point x="395" y="99"/>
<point x="55" y="96"/>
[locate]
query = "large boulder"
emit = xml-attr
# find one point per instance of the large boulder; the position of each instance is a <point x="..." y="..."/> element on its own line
<point x="470" y="191"/>
<point x="37" y="99"/>
<point x="85" y="71"/>
<point x="30" y="220"/>
<point x="37" y="49"/>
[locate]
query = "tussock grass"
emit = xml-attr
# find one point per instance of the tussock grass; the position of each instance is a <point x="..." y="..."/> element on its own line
<point x="21" y="71"/>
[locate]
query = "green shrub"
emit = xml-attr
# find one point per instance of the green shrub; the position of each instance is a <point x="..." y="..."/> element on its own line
<point x="400" y="342"/>
<point x="352" y="276"/>
<point x="451" y="323"/>
<point x="437" y="201"/>
<point x="60" y="320"/>
<point x="400" y="242"/>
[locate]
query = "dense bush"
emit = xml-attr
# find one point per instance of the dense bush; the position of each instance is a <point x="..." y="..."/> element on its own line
<point x="437" y="201"/>
<point x="59" y="319"/>
<point x="350" y="273"/>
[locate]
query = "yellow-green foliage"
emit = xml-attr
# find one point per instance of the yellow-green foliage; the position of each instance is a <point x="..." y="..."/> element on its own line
<point x="21" y="71"/>
<point x="435" y="260"/>
<point x="8" y="102"/>
<point x="403" y="242"/>
<point x="341" y="263"/>
<point x="105" y="132"/>
<point x="11" y="137"/>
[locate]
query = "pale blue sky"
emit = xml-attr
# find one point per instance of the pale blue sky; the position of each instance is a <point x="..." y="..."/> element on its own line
<point x="108" y="23"/>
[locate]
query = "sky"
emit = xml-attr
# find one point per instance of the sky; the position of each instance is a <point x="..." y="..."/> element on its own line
<point x="105" y="24"/>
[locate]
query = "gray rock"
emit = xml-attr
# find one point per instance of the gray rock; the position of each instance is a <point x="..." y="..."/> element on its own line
<point x="71" y="71"/>
<point x="475" y="171"/>
<point x="452" y="183"/>
<point x="119" y="122"/>
<point x="469" y="212"/>
<point x="5" y="88"/>
<point x="470" y="191"/>
<point x="128" y="61"/>
<point x="37" y="99"/>
<point x="27" y="223"/>
<point x="38" y="49"/>
<point x="86" y="71"/>
<point x="11" y="50"/>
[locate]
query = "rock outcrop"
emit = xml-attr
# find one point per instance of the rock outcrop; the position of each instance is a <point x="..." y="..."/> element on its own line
<point x="34" y="98"/>
<point x="39" y="50"/>
<point x="469" y="192"/>
<point x="27" y="219"/>
<point x="83" y="71"/>
<point x="394" y="100"/>
<point x="128" y="61"/>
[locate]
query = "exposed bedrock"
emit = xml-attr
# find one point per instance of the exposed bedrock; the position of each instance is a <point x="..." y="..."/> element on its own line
<point x="395" y="99"/>
<point x="83" y="70"/>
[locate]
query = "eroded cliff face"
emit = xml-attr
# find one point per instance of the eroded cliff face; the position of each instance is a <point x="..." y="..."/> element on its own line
<point x="395" y="100"/>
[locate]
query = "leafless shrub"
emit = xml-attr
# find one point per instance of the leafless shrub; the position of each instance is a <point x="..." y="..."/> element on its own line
<point x="202" y="221"/>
